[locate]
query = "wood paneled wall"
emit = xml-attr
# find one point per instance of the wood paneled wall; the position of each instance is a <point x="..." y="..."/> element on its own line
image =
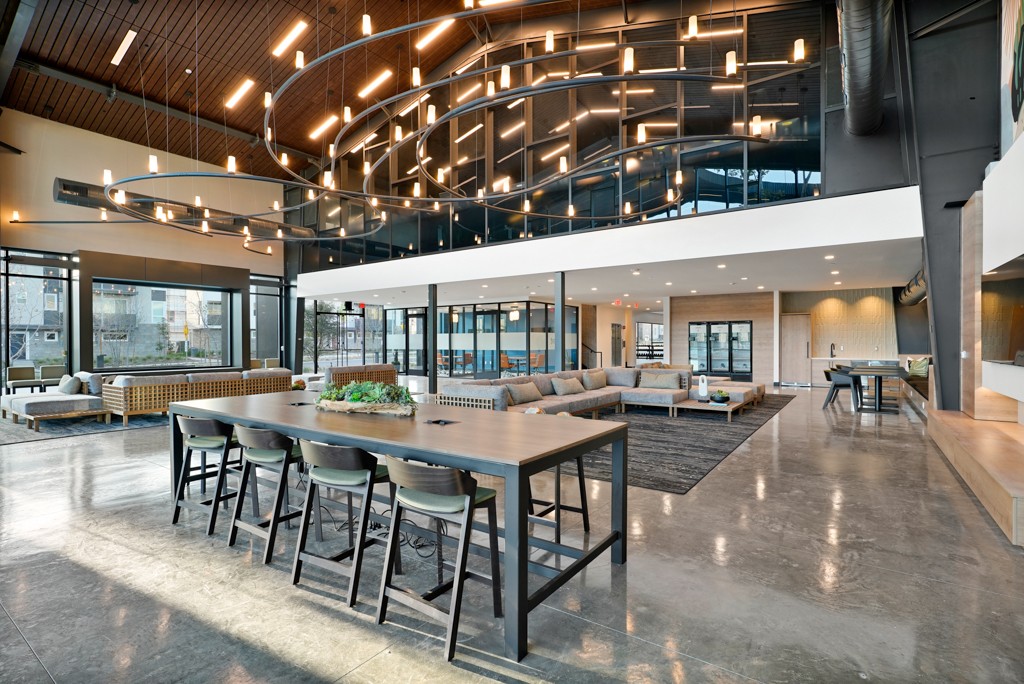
<point x="862" y="321"/>
<point x="759" y="308"/>
<point x="976" y="401"/>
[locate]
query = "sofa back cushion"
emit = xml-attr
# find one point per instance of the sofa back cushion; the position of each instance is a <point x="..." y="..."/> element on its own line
<point x="143" y="380"/>
<point x="651" y="380"/>
<point x="621" y="377"/>
<point x="267" y="373"/>
<point x="543" y="383"/>
<point x="69" y="385"/>
<point x="565" y="375"/>
<point x="514" y="380"/>
<point x="523" y="393"/>
<point x="595" y="380"/>
<point x="564" y="386"/>
<point x="92" y="383"/>
<point x="213" y="377"/>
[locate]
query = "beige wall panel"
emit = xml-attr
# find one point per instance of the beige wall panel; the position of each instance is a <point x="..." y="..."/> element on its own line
<point x="759" y="308"/>
<point x="862" y="321"/>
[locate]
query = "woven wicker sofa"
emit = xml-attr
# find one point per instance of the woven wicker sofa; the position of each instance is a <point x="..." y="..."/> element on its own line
<point x="342" y="375"/>
<point x="130" y="395"/>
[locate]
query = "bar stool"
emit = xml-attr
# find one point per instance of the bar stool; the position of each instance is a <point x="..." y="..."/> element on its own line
<point x="347" y="469"/>
<point x="206" y="436"/>
<point x="557" y="506"/>
<point x="453" y="496"/>
<point x="275" y="452"/>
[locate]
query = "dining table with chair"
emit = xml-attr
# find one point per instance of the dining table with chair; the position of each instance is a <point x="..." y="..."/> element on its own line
<point x="507" y="445"/>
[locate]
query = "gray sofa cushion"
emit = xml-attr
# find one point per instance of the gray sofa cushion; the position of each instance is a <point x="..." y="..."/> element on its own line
<point x="622" y="377"/>
<point x="565" y="375"/>
<point x="595" y="379"/>
<point x="655" y="380"/>
<point x="143" y="380"/>
<point x="649" y="395"/>
<point x="496" y="392"/>
<point x="213" y="377"/>
<point x="476" y="382"/>
<point x="514" y="380"/>
<point x="267" y="373"/>
<point x="523" y="393"/>
<point x="564" y="386"/>
<point x="94" y="382"/>
<point x="54" y="402"/>
<point x="543" y="383"/>
<point x="69" y="385"/>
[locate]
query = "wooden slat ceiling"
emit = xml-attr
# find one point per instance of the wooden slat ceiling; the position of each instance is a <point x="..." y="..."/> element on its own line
<point x="223" y="42"/>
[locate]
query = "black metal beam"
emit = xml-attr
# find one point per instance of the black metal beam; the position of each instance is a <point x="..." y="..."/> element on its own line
<point x="112" y="92"/>
<point x="952" y="16"/>
<point x="559" y="327"/>
<point x="19" y="19"/>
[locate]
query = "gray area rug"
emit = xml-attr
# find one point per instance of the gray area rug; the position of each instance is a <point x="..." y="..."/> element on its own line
<point x="11" y="433"/>
<point x="674" y="454"/>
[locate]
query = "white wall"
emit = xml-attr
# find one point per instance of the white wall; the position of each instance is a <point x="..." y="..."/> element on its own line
<point x="54" y="150"/>
<point x="867" y="217"/>
<point x="1003" y="215"/>
<point x="606" y="316"/>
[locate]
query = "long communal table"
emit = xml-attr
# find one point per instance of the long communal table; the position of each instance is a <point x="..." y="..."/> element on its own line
<point x="512" y="446"/>
<point x="878" y="373"/>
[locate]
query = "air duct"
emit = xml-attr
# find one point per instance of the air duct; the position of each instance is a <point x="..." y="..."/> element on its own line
<point x="914" y="291"/>
<point x="864" y="32"/>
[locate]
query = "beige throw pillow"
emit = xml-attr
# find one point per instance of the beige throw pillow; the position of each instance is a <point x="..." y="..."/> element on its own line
<point x="524" y="393"/>
<point x="595" y="380"/>
<point x="567" y="386"/>
<point x="659" y="380"/>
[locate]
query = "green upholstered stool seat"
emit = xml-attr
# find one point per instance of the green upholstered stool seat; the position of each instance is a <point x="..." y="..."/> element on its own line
<point x="201" y="443"/>
<point x="264" y="455"/>
<point x="437" y="503"/>
<point x="345" y="478"/>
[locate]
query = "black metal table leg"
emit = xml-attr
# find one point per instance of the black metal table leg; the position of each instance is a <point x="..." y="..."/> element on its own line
<point x="620" y="471"/>
<point x="517" y="555"/>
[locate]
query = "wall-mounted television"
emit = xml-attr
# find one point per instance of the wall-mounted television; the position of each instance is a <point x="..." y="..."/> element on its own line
<point x="1002" y="313"/>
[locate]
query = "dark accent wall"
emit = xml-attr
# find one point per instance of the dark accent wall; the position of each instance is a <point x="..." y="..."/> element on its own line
<point x="104" y="266"/>
<point x="912" y="335"/>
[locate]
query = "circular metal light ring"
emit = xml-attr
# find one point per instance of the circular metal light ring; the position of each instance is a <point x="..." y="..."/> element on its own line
<point x="193" y="228"/>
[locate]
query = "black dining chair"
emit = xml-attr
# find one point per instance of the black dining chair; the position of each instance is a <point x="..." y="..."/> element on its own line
<point x="449" y="495"/>
<point x="350" y="470"/>
<point x="841" y="381"/>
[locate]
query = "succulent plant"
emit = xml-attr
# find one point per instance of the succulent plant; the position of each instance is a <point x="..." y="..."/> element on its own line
<point x="368" y="392"/>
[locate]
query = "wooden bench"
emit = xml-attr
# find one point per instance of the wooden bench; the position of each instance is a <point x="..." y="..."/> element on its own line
<point x="32" y="421"/>
<point x="989" y="456"/>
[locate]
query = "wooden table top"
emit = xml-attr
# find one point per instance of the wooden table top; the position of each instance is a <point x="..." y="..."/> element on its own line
<point x="707" y="405"/>
<point x="881" y="371"/>
<point x="493" y="436"/>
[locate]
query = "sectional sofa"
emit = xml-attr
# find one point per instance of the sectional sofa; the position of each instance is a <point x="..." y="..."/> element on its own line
<point x="607" y="387"/>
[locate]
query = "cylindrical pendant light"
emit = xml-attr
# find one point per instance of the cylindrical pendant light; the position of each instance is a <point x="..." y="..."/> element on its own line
<point x="267" y="99"/>
<point x="367" y="26"/>
<point x="563" y="165"/>
<point x="366" y="168"/>
<point x="328" y="179"/>
<point x="730" y="63"/>
<point x="572" y="210"/>
<point x="490" y="89"/>
<point x="691" y="31"/>
<point x="549" y="41"/>
<point x="670" y="195"/>
<point x="628" y="208"/>
<point x="103" y="214"/>
<point x="627" y="61"/>
<point x="300" y="59"/>
<point x="526" y="205"/>
<point x="108" y="176"/>
<point x="431" y="114"/>
<point x="398" y="133"/>
<point x="506" y="77"/>
<point x="154" y="165"/>
<point x="346" y="114"/>
<point x="232" y="167"/>
<point x="416" y="189"/>
<point x="416" y="80"/>
<point x="755" y="125"/>
<point x="798" y="50"/>
<point x="206" y="227"/>
<point x="641" y="133"/>
<point x="310" y="194"/>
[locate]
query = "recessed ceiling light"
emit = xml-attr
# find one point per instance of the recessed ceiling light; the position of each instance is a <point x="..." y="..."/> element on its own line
<point x="835" y="272"/>
<point x="658" y="302"/>
<point x="123" y="48"/>
<point x="481" y="296"/>
<point x="533" y="293"/>
<point x="743" y="278"/>
<point x="593" y="289"/>
<point x="626" y="295"/>
<point x="760" y="287"/>
<point x="485" y="285"/>
<point x="830" y="257"/>
<point x="569" y="298"/>
<point x="376" y="295"/>
<point x="636" y="271"/>
<point x="551" y="280"/>
<point x="668" y="284"/>
<point x="693" y="292"/>
<point x="838" y="282"/>
<point x="188" y="71"/>
<point x="721" y="265"/>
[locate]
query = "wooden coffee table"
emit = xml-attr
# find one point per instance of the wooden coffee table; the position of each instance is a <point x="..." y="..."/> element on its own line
<point x="692" y="404"/>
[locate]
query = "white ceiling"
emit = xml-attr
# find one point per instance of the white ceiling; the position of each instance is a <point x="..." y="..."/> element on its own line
<point x="861" y="265"/>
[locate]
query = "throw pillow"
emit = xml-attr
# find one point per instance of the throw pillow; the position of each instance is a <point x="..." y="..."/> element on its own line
<point x="524" y="393"/>
<point x="567" y="386"/>
<point x="595" y="380"/>
<point x="659" y="380"/>
<point x="918" y="367"/>
<point x="69" y="385"/>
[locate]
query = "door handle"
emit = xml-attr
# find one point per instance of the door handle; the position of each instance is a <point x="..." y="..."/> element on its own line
<point x="808" y="350"/>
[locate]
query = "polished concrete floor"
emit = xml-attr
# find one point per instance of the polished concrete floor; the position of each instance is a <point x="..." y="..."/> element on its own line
<point x="830" y="547"/>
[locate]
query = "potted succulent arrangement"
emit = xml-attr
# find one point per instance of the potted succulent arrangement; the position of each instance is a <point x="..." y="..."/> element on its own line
<point x="367" y="397"/>
<point x="719" y="397"/>
<point x="299" y="384"/>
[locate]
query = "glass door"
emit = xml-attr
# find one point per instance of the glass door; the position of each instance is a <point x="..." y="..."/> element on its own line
<point x="699" y="347"/>
<point x="741" y="349"/>
<point x="339" y="340"/>
<point x="417" y="349"/>
<point x="486" y="361"/>
<point x="719" y="342"/>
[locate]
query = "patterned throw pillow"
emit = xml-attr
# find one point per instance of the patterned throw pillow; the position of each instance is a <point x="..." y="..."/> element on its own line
<point x="569" y="386"/>
<point x="918" y="368"/>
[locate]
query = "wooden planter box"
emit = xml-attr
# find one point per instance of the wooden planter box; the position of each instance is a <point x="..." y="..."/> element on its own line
<point x="362" y="407"/>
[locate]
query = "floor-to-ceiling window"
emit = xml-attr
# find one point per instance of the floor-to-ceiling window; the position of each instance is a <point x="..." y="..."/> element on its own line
<point x="265" y="318"/>
<point x="34" y="290"/>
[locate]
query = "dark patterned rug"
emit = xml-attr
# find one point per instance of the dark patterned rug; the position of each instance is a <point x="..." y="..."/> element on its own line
<point x="11" y="433"/>
<point x="674" y="454"/>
